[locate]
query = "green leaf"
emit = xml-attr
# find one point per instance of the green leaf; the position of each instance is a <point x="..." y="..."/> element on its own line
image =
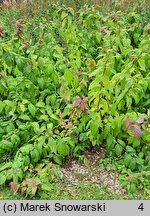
<point x="25" y="117"/>
<point x="44" y="117"/>
<point x="41" y="62"/>
<point x="106" y="130"/>
<point x="53" y="99"/>
<point x="40" y="104"/>
<point x="10" y="128"/>
<point x="53" y="145"/>
<point x="35" y="156"/>
<point x="135" y="96"/>
<point x="127" y="159"/>
<point x="49" y="110"/>
<point x="103" y="106"/>
<point x="118" y="150"/>
<point x="141" y="155"/>
<point x="40" y="143"/>
<point x="66" y="111"/>
<point x="110" y="143"/>
<point x="69" y="76"/>
<point x="141" y="62"/>
<point x="46" y="187"/>
<point x="122" y="143"/>
<point x="146" y="135"/>
<point x="32" y="109"/>
<point x="2" y="179"/>
<point x="59" y="159"/>
<point x="55" y="117"/>
<point x="10" y="105"/>
<point x="6" y="145"/>
<point x="126" y="42"/>
<point x="50" y="126"/>
<point x="98" y="37"/>
<point x="35" y="126"/>
<point x="26" y="160"/>
<point x="2" y="105"/>
<point x="94" y="128"/>
<point x="5" y="166"/>
<point x="132" y="188"/>
<point x="132" y="164"/>
<point x="63" y="15"/>
<point x="41" y="82"/>
<point x="63" y="149"/>
<point x="121" y="105"/>
<point x="47" y="39"/>
<point x="129" y="83"/>
<point x="22" y="107"/>
<point x="2" y="131"/>
<point x="20" y="61"/>
<point x="131" y="150"/>
<point x="136" y="143"/>
<point x="15" y="139"/>
<point x="9" y="60"/>
<point x="129" y="102"/>
<point x="25" y="150"/>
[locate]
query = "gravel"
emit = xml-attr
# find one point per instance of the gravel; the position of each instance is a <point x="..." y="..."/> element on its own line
<point x="75" y="172"/>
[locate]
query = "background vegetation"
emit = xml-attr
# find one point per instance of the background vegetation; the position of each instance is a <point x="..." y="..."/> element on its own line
<point x="74" y="76"/>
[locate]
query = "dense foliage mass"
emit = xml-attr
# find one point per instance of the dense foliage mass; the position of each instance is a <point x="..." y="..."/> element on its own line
<point x="70" y="80"/>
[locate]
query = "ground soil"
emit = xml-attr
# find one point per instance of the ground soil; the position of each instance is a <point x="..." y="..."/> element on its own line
<point x="75" y="171"/>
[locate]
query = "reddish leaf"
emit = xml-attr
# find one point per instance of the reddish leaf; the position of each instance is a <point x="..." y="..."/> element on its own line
<point x="136" y="131"/>
<point x="142" y="119"/>
<point x="14" y="186"/>
<point x="84" y="98"/>
<point x="82" y="106"/>
<point x="69" y="125"/>
<point x="26" y="42"/>
<point x="35" y="184"/>
<point x="77" y="102"/>
<point x="103" y="30"/>
<point x="60" y="115"/>
<point x="129" y="123"/>
<point x="23" y="189"/>
<point x="79" y="73"/>
<point x="1" y="31"/>
<point x="114" y="17"/>
<point x="33" y="190"/>
<point x="85" y="111"/>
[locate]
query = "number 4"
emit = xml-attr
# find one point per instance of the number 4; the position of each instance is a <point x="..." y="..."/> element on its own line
<point x="141" y="207"/>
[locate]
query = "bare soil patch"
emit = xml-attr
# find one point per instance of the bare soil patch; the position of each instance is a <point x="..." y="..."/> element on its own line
<point x="75" y="171"/>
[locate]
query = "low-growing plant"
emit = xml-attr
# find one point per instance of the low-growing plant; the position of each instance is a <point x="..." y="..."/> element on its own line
<point x="72" y="79"/>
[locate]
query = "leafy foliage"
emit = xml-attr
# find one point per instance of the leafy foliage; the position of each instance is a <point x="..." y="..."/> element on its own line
<point x="71" y="80"/>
